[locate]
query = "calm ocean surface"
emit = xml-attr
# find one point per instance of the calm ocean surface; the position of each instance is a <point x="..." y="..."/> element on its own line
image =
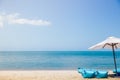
<point x="57" y="60"/>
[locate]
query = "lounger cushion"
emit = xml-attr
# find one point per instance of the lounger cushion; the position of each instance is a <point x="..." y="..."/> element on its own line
<point x="88" y="74"/>
<point x="118" y="70"/>
<point x="82" y="69"/>
<point x="101" y="74"/>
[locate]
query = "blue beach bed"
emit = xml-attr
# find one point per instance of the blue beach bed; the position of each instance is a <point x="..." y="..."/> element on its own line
<point x="118" y="71"/>
<point x="101" y="74"/>
<point x="86" y="73"/>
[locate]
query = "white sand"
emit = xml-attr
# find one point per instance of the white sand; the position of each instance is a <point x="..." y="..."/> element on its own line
<point x="45" y="75"/>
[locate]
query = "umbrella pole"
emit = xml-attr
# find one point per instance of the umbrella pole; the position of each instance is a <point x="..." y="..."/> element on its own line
<point x="114" y="58"/>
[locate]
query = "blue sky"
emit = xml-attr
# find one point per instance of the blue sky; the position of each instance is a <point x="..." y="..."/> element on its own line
<point x="57" y="24"/>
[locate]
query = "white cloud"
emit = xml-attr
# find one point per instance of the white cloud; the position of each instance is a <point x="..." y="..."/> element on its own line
<point x="14" y="19"/>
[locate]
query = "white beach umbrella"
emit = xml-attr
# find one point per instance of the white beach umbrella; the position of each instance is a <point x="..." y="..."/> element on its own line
<point x="110" y="43"/>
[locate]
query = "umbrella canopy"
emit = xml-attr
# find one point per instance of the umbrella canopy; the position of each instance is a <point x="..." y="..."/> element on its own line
<point x="110" y="43"/>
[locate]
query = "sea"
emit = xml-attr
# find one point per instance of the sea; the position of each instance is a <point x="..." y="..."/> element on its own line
<point x="57" y="60"/>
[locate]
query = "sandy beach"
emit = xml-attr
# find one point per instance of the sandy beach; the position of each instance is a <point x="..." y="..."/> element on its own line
<point x="45" y="75"/>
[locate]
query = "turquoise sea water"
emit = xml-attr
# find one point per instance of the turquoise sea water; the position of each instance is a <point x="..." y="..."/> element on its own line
<point x="57" y="60"/>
